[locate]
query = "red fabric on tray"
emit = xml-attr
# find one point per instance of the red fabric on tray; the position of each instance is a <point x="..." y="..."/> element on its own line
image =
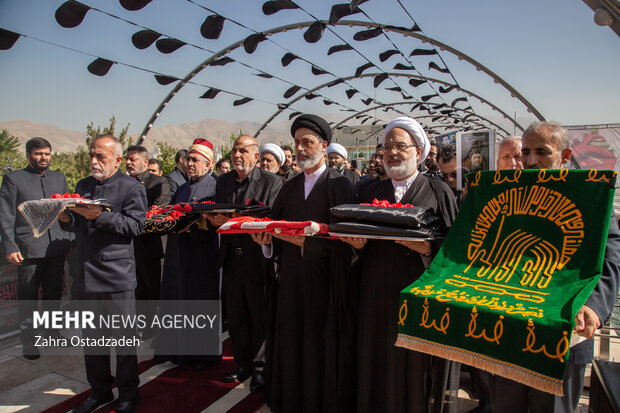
<point x="245" y="225"/>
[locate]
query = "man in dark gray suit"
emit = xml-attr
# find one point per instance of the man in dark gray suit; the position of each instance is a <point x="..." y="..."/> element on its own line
<point x="178" y="176"/>
<point x="148" y="248"/>
<point x="547" y="145"/>
<point x="244" y="266"/>
<point x="40" y="260"/>
<point x="105" y="264"/>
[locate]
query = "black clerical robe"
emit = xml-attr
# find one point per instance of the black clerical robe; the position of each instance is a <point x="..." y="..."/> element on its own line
<point x="314" y="316"/>
<point x="190" y="267"/>
<point x="392" y="379"/>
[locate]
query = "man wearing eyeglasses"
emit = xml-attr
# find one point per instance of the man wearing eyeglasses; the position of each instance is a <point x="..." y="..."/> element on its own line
<point x="190" y="267"/>
<point x="446" y="159"/>
<point x="385" y="267"/>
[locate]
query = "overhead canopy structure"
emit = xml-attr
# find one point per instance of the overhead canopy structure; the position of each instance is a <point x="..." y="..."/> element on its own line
<point x="382" y="60"/>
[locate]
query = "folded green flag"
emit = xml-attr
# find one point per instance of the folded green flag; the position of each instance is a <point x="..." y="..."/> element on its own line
<point x="521" y="259"/>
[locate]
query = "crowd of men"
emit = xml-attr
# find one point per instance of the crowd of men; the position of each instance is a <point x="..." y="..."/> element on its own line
<point x="311" y="320"/>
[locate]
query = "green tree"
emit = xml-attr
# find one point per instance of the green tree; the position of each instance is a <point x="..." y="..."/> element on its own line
<point x="76" y="165"/>
<point x="226" y="150"/>
<point x="8" y="143"/>
<point x="10" y="156"/>
<point x="93" y="132"/>
<point x="166" y="155"/>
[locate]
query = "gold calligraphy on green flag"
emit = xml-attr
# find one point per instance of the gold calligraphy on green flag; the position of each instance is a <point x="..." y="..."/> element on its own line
<point x="522" y="257"/>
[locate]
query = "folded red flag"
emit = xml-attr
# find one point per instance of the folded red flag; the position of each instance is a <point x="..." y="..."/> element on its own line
<point x="245" y="225"/>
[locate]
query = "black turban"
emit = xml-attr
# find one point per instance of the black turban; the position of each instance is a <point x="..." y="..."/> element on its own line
<point x="315" y="124"/>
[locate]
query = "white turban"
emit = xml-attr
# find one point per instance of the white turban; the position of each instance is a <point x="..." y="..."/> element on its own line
<point x="275" y="150"/>
<point x="415" y="129"/>
<point x="337" y="148"/>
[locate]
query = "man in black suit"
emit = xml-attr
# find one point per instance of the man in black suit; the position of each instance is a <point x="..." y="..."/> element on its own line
<point x="148" y="247"/>
<point x="337" y="156"/>
<point x="244" y="266"/>
<point x="178" y="176"/>
<point x="105" y="264"/>
<point x="40" y="260"/>
<point x="547" y="145"/>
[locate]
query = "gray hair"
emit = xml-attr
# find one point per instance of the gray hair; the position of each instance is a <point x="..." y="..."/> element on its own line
<point x="118" y="147"/>
<point x="510" y="139"/>
<point x="558" y="132"/>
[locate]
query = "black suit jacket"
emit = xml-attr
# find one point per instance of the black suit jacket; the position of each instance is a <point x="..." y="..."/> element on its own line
<point x="157" y="193"/>
<point x="263" y="186"/>
<point x="603" y="297"/>
<point x="105" y="257"/>
<point x="352" y="176"/>
<point x="16" y="235"/>
<point x="176" y="178"/>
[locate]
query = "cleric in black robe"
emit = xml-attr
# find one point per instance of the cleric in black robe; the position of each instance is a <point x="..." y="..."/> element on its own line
<point x="392" y="379"/>
<point x="190" y="267"/>
<point x="312" y="357"/>
<point x="245" y="269"/>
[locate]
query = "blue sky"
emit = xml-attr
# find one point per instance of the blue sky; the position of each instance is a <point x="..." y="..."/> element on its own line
<point x="550" y="51"/>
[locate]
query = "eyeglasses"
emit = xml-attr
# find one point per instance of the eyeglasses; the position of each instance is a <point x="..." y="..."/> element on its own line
<point x="452" y="174"/>
<point x="398" y="146"/>
<point x="194" y="160"/>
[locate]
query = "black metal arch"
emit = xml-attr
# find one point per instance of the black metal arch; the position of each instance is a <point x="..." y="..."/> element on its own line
<point x="351" y="23"/>
<point x="409" y="102"/>
<point x="327" y="84"/>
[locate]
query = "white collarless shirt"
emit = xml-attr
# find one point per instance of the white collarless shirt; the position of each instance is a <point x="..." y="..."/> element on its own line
<point x="401" y="187"/>
<point x="310" y="179"/>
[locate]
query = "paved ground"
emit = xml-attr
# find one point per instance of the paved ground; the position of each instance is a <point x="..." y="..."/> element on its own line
<point x="34" y="385"/>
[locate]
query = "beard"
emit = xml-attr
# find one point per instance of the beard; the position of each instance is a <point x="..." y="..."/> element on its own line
<point x="40" y="166"/>
<point x="338" y="166"/>
<point x="405" y="169"/>
<point x="99" y="173"/>
<point x="309" y="161"/>
<point x="431" y="164"/>
<point x="243" y="169"/>
<point x="134" y="171"/>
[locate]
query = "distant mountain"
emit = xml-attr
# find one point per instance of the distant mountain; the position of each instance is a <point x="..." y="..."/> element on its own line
<point x="61" y="139"/>
<point x="179" y="136"/>
<point x="217" y="131"/>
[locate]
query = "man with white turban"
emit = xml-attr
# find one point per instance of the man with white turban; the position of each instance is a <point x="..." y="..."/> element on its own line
<point x="337" y="156"/>
<point x="271" y="157"/>
<point x="385" y="372"/>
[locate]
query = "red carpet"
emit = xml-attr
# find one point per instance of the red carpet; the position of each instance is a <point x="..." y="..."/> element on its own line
<point x="180" y="389"/>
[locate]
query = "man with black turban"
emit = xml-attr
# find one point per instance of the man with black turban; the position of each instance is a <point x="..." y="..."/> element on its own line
<point x="310" y="367"/>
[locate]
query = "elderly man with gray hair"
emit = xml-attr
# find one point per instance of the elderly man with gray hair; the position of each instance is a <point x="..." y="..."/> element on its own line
<point x="271" y="157"/>
<point x="546" y="145"/>
<point x="509" y="153"/>
<point x="385" y="267"/>
<point x="106" y="267"/>
<point x="245" y="271"/>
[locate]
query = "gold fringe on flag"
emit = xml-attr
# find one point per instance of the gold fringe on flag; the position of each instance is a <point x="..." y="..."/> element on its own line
<point x="494" y="366"/>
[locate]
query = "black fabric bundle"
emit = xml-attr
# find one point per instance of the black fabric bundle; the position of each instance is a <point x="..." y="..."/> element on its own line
<point x="413" y="222"/>
<point x="253" y="210"/>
